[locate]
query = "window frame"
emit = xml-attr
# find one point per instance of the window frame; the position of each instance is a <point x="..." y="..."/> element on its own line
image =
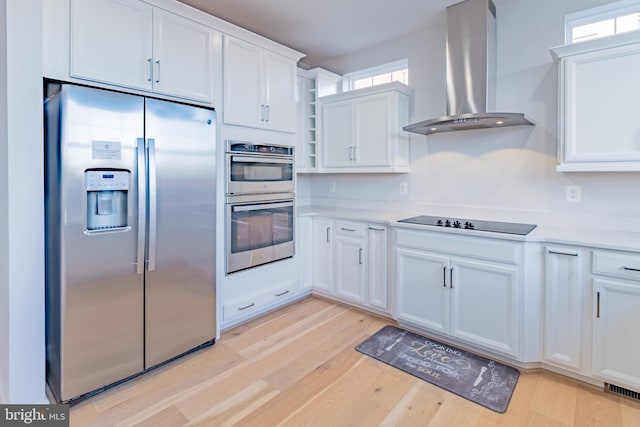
<point x="350" y="78"/>
<point x="596" y="14"/>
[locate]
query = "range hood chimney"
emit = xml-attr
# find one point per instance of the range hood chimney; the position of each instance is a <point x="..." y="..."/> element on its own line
<point x="471" y="73"/>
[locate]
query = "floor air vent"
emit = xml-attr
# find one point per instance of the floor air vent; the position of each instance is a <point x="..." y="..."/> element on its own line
<point x="621" y="391"/>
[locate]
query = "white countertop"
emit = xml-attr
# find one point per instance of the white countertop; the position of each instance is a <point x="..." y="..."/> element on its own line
<point x="590" y="237"/>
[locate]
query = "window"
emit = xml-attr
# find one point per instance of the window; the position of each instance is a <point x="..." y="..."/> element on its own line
<point x="393" y="72"/>
<point x="613" y="18"/>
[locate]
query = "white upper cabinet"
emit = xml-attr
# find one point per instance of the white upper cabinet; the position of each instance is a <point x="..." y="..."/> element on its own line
<point x="132" y="44"/>
<point x="361" y="130"/>
<point x="259" y="87"/>
<point x="598" y="123"/>
<point x="111" y="42"/>
<point x="183" y="57"/>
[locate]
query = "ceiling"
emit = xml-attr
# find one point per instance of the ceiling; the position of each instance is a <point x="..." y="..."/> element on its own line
<point x="328" y="28"/>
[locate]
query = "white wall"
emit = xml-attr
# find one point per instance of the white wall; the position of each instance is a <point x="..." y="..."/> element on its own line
<point x="505" y="173"/>
<point x="22" y="369"/>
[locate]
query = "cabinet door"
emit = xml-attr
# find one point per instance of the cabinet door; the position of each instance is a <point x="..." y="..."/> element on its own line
<point x="243" y="83"/>
<point x="111" y="42"/>
<point x="484" y="305"/>
<point x="421" y="287"/>
<point x="377" y="293"/>
<point x="616" y="344"/>
<point x="349" y="268"/>
<point x="372" y="132"/>
<point x="280" y="96"/>
<point x="322" y="271"/>
<point x="182" y="57"/>
<point x="337" y="134"/>
<point x="563" y="308"/>
<point x="598" y="91"/>
<point x="304" y="253"/>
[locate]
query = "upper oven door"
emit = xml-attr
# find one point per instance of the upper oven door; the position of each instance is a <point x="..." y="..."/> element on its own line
<point x="259" y="174"/>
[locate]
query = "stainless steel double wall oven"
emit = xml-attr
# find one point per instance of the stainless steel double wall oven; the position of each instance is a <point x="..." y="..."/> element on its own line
<point x="260" y="185"/>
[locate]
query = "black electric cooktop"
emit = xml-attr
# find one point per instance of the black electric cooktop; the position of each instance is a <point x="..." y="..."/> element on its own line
<point x="472" y="224"/>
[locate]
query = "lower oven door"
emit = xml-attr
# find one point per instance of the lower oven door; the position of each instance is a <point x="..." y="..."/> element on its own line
<point x="259" y="231"/>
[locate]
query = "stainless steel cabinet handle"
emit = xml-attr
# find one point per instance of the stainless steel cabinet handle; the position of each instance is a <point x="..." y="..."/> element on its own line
<point x="153" y="205"/>
<point x="351" y="153"/>
<point x="282" y="293"/>
<point x="142" y="198"/>
<point x="150" y="69"/>
<point x="376" y="229"/>
<point x="451" y="278"/>
<point x="562" y="253"/>
<point x="268" y="113"/>
<point x="355" y="153"/>
<point x="246" y="306"/>
<point x="347" y="229"/>
<point x="360" y="256"/>
<point x="444" y="277"/>
<point x="158" y="71"/>
<point x="598" y="305"/>
<point x="630" y="268"/>
<point x="263" y="113"/>
<point x="328" y="229"/>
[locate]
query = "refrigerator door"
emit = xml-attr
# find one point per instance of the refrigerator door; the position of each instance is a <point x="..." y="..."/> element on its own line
<point x="100" y="293"/>
<point x="180" y="305"/>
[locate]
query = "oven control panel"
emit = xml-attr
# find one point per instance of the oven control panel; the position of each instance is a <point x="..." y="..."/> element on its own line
<point x="251" y="148"/>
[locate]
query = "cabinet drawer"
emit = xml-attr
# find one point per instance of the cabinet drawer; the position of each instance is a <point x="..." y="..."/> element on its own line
<point x="476" y="247"/>
<point x="347" y="228"/>
<point x="256" y="303"/>
<point x="617" y="264"/>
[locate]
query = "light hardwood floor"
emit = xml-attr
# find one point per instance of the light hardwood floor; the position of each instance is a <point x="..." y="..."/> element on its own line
<point x="297" y="367"/>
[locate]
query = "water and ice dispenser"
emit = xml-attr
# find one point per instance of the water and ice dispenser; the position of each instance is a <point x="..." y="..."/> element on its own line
<point x="107" y="192"/>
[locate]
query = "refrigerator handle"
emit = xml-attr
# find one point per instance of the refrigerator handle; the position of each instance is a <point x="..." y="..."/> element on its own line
<point x="142" y="198"/>
<point x="151" y="251"/>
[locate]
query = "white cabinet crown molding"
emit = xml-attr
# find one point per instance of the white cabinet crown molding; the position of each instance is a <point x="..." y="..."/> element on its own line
<point x="562" y="51"/>
<point x="225" y="27"/>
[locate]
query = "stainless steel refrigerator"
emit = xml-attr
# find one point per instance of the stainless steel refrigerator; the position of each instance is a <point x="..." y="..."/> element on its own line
<point x="130" y="235"/>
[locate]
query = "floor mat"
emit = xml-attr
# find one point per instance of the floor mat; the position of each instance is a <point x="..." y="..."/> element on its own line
<point x="481" y="380"/>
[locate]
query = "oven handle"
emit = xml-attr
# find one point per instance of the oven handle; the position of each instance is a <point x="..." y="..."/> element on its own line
<point x="258" y="206"/>
<point x="261" y="159"/>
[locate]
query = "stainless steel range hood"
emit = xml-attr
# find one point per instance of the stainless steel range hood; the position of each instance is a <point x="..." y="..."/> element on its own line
<point x="471" y="73"/>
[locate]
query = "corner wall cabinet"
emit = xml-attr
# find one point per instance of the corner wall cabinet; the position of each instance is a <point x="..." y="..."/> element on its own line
<point x="466" y="288"/>
<point x="361" y="130"/>
<point x="259" y="87"/>
<point x="133" y="44"/>
<point x="598" y="124"/>
<point x="312" y="84"/>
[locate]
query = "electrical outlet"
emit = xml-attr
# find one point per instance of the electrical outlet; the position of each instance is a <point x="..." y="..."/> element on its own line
<point x="404" y="189"/>
<point x="332" y="187"/>
<point x="573" y="194"/>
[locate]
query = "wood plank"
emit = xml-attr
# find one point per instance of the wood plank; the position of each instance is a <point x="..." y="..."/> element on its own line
<point x="298" y="366"/>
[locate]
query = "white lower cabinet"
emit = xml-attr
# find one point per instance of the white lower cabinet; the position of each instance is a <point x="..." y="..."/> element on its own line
<point x="474" y="300"/>
<point x="377" y="261"/>
<point x="257" y="302"/>
<point x="304" y="253"/>
<point x="566" y="308"/>
<point x="615" y="318"/>
<point x="350" y="262"/>
<point x="322" y="254"/>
